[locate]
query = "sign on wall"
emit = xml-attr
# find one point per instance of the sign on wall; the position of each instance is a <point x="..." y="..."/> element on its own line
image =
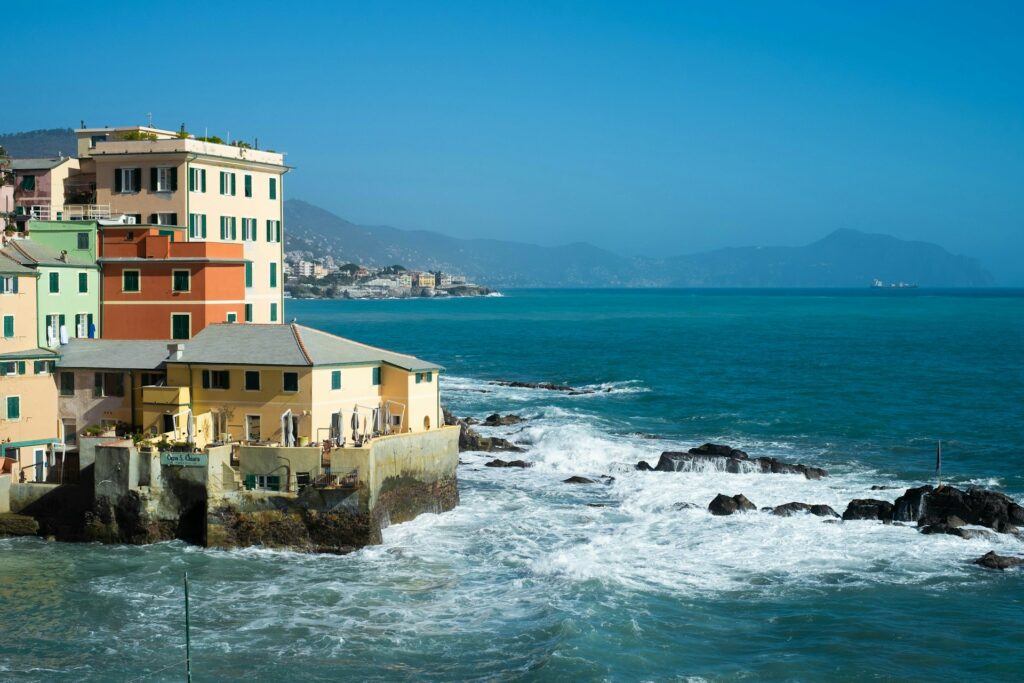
<point x="184" y="459"/>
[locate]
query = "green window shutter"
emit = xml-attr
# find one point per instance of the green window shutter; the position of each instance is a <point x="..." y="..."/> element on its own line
<point x="273" y="188"/>
<point x="191" y="180"/>
<point x="250" y="481"/>
<point x="152" y="180"/>
<point x="248" y="185"/>
<point x="203" y="221"/>
<point x="273" y="312"/>
<point x="181" y="281"/>
<point x="83" y="283"/>
<point x="273" y="275"/>
<point x="97" y="384"/>
<point x="277" y="231"/>
<point x="419" y="377"/>
<point x="21" y="367"/>
<point x="38" y="367"/>
<point x="335" y="379"/>
<point x="179" y="327"/>
<point x="54" y="283"/>
<point x="376" y="376"/>
<point x="270" y="231"/>
<point x="117" y="180"/>
<point x="248" y="275"/>
<point x="13" y="408"/>
<point x="274" y="482"/>
<point x="174" y="180"/>
<point x="202" y="180"/>
<point x="234" y="228"/>
<point x="206" y="379"/>
<point x="174" y="221"/>
<point x="233" y="192"/>
<point x="8" y="326"/>
<point x="222" y="178"/>
<point x="61" y="320"/>
<point x="248" y="313"/>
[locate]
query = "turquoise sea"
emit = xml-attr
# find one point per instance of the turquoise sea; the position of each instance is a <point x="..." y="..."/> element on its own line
<point x="533" y="579"/>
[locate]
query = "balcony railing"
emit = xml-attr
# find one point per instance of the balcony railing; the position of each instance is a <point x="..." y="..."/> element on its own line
<point x="86" y="212"/>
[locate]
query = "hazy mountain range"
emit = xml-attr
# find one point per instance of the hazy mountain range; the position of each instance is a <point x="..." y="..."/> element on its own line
<point x="844" y="258"/>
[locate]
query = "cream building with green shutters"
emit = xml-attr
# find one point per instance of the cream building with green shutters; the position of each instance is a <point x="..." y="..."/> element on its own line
<point x="220" y="192"/>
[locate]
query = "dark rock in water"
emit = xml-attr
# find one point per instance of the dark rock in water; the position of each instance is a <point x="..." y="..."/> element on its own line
<point x="543" y="385"/>
<point x="498" y="462"/>
<point x="471" y="421"/>
<point x="929" y="506"/>
<point x="598" y="505"/>
<point x="876" y="487"/>
<point x="994" y="561"/>
<point x="644" y="466"/>
<point x="955" y="522"/>
<point x="966" y="534"/>
<point x="576" y="479"/>
<point x="497" y="420"/>
<point x="686" y="506"/>
<point x="868" y="508"/>
<point x="721" y="458"/>
<point x="907" y="507"/>
<point x="643" y="435"/>
<point x="470" y="440"/>
<point x="726" y="505"/>
<point x="608" y="479"/>
<point x="449" y="417"/>
<point x="790" y="509"/>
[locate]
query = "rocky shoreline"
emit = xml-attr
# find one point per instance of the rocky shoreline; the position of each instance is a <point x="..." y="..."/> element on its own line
<point x="934" y="510"/>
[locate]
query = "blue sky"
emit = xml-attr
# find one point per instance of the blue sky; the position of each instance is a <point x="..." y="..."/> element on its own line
<point x="640" y="127"/>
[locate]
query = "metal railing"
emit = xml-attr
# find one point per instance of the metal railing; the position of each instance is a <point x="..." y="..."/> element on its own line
<point x="82" y="212"/>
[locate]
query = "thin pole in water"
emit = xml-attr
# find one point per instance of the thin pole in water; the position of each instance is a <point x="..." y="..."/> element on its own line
<point x="938" y="462"/>
<point x="188" y="641"/>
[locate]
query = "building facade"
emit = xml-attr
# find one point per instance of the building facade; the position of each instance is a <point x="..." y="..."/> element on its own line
<point x="221" y="193"/>
<point x="42" y="186"/>
<point x="157" y="288"/>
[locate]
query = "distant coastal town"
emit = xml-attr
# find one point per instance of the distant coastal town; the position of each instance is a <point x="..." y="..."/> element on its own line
<point x="324" y="278"/>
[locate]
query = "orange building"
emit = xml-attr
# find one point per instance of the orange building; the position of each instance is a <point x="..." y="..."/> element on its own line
<point x="157" y="286"/>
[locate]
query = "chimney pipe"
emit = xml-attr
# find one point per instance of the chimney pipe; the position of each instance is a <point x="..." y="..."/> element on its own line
<point x="175" y="351"/>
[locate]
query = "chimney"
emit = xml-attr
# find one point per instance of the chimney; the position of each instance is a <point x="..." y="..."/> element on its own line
<point x="64" y="255"/>
<point x="175" y="351"/>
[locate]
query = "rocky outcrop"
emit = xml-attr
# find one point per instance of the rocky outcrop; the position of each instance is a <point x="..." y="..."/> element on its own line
<point x="17" y="525"/>
<point x="790" y="509"/>
<point x="993" y="561"/>
<point x="576" y="479"/>
<point x="868" y="508"/>
<point x="547" y="386"/>
<point x="974" y="506"/>
<point x="686" y="506"/>
<point x="951" y="530"/>
<point x="497" y="420"/>
<point x="471" y="440"/>
<point x="498" y="462"/>
<point x="907" y="508"/>
<point x="722" y="458"/>
<point x="727" y="505"/>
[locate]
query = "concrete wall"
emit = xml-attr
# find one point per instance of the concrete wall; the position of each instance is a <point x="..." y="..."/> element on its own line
<point x="24" y="495"/>
<point x="264" y="460"/>
<point x="5" y="493"/>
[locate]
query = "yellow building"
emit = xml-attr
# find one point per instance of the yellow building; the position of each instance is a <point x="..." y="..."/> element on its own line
<point x="28" y="397"/>
<point x="220" y="192"/>
<point x="425" y="280"/>
<point x="291" y="385"/>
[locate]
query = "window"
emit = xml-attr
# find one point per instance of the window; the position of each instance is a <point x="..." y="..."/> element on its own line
<point x="108" y="384"/>
<point x="376" y="377"/>
<point x="9" y="285"/>
<point x="249" y="229"/>
<point x="43" y="367"/>
<point x="127" y="180"/>
<point x="163" y="179"/>
<point x="181" y="280"/>
<point x="197" y="179"/>
<point x="248" y="277"/>
<point x="28" y="183"/>
<point x="67" y="384"/>
<point x="248" y="185"/>
<point x="130" y="281"/>
<point x="70" y="432"/>
<point x="8" y="368"/>
<point x="83" y="283"/>
<point x="252" y="380"/>
<point x="273" y="274"/>
<point x="14" y="407"/>
<point x="197" y="225"/>
<point x="290" y="381"/>
<point x="335" y="380"/>
<point x="424" y="377"/>
<point x="54" y="283"/>
<point x="232" y="317"/>
<point x="248" y="313"/>
<point x="93" y="139"/>
<point x="164" y="219"/>
<point x="227" y="183"/>
<point x="181" y="325"/>
<point x="273" y="188"/>
<point x="228" y="228"/>
<point x="84" y="327"/>
<point x="273" y="231"/>
<point x="83" y="240"/>
<point x="8" y="326"/>
<point x="152" y="379"/>
<point x="216" y="379"/>
<point x="273" y="313"/>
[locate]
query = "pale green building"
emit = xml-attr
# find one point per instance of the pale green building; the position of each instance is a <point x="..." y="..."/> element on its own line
<point x="68" y="291"/>
<point x="77" y="238"/>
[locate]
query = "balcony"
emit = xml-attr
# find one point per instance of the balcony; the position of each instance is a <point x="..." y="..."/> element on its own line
<point x="87" y="212"/>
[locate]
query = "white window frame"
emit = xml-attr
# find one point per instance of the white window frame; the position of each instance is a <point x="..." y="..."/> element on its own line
<point x="81" y="325"/>
<point x="163" y="179"/>
<point x="164" y="218"/>
<point x="127" y="180"/>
